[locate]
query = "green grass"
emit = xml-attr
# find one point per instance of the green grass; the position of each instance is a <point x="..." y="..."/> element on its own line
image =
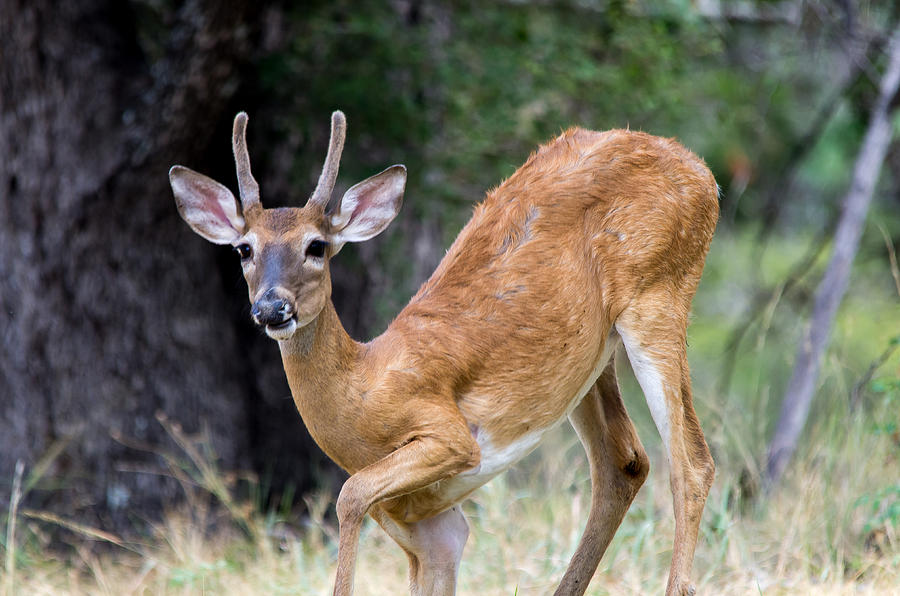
<point x="833" y="527"/>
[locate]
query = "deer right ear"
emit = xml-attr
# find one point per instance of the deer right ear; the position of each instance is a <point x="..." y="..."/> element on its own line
<point x="207" y="206"/>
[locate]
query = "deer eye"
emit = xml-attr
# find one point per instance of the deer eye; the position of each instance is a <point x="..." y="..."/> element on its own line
<point x="244" y="251"/>
<point x="316" y="248"/>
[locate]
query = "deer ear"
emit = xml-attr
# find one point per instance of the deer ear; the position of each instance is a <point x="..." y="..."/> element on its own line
<point x="207" y="206"/>
<point x="367" y="208"/>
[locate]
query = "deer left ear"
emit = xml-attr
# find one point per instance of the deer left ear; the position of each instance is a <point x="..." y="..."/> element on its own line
<point x="367" y="208"/>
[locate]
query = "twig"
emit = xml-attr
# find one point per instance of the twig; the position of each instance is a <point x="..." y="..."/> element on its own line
<point x="11" y="528"/>
<point x="84" y="530"/>
<point x="43" y="464"/>
<point x="856" y="393"/>
<point x="892" y="257"/>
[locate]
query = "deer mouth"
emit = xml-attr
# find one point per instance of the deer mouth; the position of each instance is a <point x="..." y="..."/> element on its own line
<point x="283" y="330"/>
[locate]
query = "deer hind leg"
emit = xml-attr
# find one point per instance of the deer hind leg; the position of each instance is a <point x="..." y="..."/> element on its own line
<point x="653" y="332"/>
<point x="619" y="466"/>
<point x="434" y="547"/>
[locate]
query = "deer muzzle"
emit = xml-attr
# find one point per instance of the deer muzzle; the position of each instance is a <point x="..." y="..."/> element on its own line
<point x="274" y="311"/>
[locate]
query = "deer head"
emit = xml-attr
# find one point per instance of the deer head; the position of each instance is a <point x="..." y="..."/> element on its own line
<point x="285" y="252"/>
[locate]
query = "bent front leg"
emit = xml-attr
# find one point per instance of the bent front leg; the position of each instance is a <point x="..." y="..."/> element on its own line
<point x="434" y="455"/>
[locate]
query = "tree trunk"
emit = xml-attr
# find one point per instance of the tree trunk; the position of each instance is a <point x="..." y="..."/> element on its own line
<point x="110" y="309"/>
<point x="800" y="390"/>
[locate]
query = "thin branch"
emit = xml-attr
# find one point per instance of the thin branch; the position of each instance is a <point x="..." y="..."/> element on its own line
<point x="15" y="497"/>
<point x="892" y="257"/>
<point x="856" y="393"/>
<point x="79" y="528"/>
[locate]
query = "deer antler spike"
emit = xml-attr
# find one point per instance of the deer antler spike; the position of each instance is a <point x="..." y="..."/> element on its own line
<point x="327" y="178"/>
<point x="249" y="189"/>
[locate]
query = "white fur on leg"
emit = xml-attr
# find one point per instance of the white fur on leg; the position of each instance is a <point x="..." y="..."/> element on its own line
<point x="652" y="384"/>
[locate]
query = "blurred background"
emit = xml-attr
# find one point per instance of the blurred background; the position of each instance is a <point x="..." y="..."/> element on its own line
<point x="131" y="378"/>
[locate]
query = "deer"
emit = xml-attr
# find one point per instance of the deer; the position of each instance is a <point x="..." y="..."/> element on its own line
<point x="598" y="240"/>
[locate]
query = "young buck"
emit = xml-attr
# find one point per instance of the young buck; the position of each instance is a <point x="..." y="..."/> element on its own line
<point x="600" y="238"/>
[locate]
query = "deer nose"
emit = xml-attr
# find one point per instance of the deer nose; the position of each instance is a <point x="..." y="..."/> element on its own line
<point x="271" y="309"/>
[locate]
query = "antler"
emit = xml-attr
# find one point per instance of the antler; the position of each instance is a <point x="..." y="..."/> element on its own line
<point x="247" y="185"/>
<point x="322" y="194"/>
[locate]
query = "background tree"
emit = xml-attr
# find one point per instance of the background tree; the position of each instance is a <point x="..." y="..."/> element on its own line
<point x="109" y="313"/>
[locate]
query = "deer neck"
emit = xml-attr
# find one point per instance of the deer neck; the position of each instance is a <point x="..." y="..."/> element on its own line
<point x="320" y="354"/>
<point x="321" y="362"/>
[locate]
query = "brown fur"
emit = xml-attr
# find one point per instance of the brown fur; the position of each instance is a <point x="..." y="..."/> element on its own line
<point x="595" y="230"/>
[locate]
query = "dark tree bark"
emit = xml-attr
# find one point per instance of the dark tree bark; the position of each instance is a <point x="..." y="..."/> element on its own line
<point x="801" y="388"/>
<point x="110" y="309"/>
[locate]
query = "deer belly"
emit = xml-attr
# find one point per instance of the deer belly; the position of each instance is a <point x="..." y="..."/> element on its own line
<point x="496" y="459"/>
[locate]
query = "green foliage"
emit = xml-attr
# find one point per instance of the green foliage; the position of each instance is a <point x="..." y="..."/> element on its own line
<point x="882" y="508"/>
<point x="499" y="80"/>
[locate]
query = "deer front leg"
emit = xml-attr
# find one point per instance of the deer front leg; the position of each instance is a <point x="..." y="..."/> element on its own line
<point x="437" y="454"/>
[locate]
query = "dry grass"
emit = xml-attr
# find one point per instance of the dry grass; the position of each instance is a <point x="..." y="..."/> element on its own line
<point x="810" y="537"/>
